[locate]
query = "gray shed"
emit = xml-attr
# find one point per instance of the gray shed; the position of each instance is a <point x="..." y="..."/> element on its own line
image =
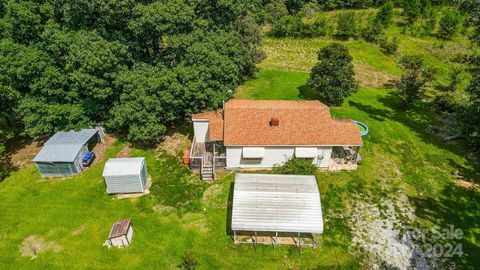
<point x="62" y="154"/>
<point x="125" y="175"/>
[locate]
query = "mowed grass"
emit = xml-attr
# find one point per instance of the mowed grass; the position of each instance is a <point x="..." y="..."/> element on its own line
<point x="181" y="214"/>
<point x="184" y="214"/>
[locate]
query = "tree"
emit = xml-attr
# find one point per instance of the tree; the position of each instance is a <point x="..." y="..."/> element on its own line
<point x="388" y="45"/>
<point x="333" y="78"/>
<point x="373" y="31"/>
<point x="455" y="78"/>
<point x="412" y="10"/>
<point x="346" y="25"/>
<point x="385" y="14"/>
<point x="275" y="10"/>
<point x="448" y="24"/>
<point x="469" y="117"/>
<point x="288" y="26"/>
<point x="413" y="80"/>
<point x="73" y="64"/>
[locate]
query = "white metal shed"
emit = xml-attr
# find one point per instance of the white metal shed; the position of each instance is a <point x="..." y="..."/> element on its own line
<point x="276" y="204"/>
<point x="125" y="175"/>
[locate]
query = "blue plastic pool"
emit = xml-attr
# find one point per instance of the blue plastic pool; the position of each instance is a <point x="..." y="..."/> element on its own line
<point x="363" y="128"/>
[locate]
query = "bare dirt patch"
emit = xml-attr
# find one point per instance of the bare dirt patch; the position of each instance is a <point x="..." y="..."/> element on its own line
<point x="467" y="185"/>
<point x="163" y="208"/>
<point x="175" y="144"/>
<point x="23" y="157"/>
<point x="79" y="230"/>
<point x="383" y="232"/>
<point x="125" y="152"/>
<point x="34" y="245"/>
<point x="100" y="148"/>
<point x="368" y="76"/>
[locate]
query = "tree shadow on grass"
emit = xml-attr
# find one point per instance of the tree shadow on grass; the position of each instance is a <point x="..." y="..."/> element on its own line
<point x="418" y="118"/>
<point x="307" y="93"/>
<point x="228" y="227"/>
<point x="374" y="113"/>
<point x="459" y="207"/>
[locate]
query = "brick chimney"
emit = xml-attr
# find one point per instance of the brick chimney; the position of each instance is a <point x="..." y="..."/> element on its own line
<point x="274" y="122"/>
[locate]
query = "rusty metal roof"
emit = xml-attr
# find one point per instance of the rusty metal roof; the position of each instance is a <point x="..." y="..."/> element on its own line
<point x="120" y="228"/>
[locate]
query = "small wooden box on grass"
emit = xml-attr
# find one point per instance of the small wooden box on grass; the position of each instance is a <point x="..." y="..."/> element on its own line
<point x="121" y="234"/>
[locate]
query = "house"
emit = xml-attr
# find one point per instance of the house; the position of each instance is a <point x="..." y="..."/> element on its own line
<point x="62" y="154"/>
<point x="125" y="175"/>
<point x="121" y="233"/>
<point x="272" y="209"/>
<point x="258" y="134"/>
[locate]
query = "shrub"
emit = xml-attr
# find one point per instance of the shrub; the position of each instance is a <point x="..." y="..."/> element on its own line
<point x="332" y="79"/>
<point x="319" y="28"/>
<point x="346" y="26"/>
<point x="388" y="46"/>
<point x="190" y="261"/>
<point x="449" y="24"/>
<point x="275" y="10"/>
<point x="385" y="14"/>
<point x="429" y="25"/>
<point x="412" y="10"/>
<point x="309" y="9"/>
<point x="296" y="166"/>
<point x="373" y="31"/>
<point x="288" y="26"/>
<point x="445" y="102"/>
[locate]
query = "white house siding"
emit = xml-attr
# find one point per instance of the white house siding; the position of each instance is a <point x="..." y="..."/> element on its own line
<point x="200" y="128"/>
<point x="326" y="153"/>
<point x="273" y="155"/>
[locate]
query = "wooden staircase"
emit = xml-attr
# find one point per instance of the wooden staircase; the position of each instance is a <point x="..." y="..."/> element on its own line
<point x="207" y="173"/>
<point x="207" y="170"/>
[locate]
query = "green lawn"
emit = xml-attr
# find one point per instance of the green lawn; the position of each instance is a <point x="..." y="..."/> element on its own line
<point x="184" y="214"/>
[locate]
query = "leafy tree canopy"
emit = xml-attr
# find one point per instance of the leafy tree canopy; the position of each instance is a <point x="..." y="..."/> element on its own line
<point x="333" y="78"/>
<point x="132" y="65"/>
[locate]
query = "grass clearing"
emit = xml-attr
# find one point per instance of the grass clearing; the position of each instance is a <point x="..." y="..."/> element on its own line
<point x="184" y="214"/>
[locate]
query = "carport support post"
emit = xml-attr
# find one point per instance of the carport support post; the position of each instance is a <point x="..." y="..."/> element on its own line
<point x="275" y="240"/>
<point x="299" y="243"/>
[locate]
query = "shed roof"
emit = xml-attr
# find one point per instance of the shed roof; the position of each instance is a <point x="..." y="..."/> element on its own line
<point x="64" y="146"/>
<point x="72" y="137"/>
<point x="58" y="153"/>
<point x="123" y="166"/>
<point x="120" y="228"/>
<point x="276" y="203"/>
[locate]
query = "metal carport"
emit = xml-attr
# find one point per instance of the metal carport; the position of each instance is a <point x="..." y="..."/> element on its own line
<point x="272" y="204"/>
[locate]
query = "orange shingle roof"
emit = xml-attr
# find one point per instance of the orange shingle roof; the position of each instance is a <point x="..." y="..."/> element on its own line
<point x="215" y="128"/>
<point x="247" y="122"/>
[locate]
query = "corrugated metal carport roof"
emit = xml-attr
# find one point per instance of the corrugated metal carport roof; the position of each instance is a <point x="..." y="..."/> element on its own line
<point x="276" y="203"/>
<point x="64" y="146"/>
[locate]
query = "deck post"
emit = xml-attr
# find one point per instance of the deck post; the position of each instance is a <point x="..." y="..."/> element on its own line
<point x="234" y="237"/>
